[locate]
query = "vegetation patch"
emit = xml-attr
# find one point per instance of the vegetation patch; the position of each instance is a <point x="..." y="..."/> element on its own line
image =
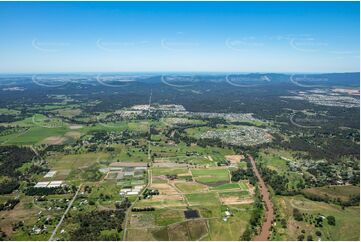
<point x="344" y="195"/>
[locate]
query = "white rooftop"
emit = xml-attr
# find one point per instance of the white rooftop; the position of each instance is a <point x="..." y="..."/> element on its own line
<point x="55" y="184"/>
<point x="125" y="190"/>
<point x="132" y="193"/>
<point x="41" y="184"/>
<point x="50" y="174"/>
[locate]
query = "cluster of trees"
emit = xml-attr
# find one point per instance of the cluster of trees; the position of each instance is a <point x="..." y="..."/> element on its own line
<point x="150" y="192"/>
<point x="256" y="217"/>
<point x="91" y="224"/>
<point x="172" y="177"/>
<point x="223" y="163"/>
<point x="301" y="237"/>
<point x="244" y="174"/>
<point x="279" y="183"/>
<point x="11" y="158"/>
<point x="331" y="220"/>
<point x="297" y="215"/>
<point x="9" y="204"/>
<point x="316" y="220"/>
<point x="123" y="205"/>
<point x="339" y="144"/>
<point x="8" y="118"/>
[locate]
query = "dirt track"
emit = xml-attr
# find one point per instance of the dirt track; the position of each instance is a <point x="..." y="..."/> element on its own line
<point x="266" y="226"/>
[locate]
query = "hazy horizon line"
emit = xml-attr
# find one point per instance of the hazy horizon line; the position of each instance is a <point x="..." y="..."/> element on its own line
<point x="175" y="72"/>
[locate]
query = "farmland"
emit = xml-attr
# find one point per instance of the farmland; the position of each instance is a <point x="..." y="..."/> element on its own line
<point x="77" y="167"/>
<point x="197" y="193"/>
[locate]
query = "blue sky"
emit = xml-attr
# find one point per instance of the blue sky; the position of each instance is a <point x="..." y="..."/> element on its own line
<point x="179" y="36"/>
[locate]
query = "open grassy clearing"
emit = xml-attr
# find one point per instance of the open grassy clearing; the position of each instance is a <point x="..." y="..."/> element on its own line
<point x="159" y="171"/>
<point x="226" y="186"/>
<point x="273" y="162"/>
<point x="124" y="152"/>
<point x="74" y="167"/>
<point x="196" y="154"/>
<point x="34" y="135"/>
<point x="136" y="126"/>
<point x="209" y="198"/>
<point x="347" y="220"/>
<point x="6" y="111"/>
<point x="68" y="112"/>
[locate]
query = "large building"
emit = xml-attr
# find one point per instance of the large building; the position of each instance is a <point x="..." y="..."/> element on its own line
<point x="135" y="165"/>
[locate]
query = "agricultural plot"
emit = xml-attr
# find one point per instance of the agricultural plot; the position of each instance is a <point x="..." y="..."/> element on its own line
<point x="176" y="195"/>
<point x="193" y="155"/>
<point x="191" y="187"/>
<point x="212" y="177"/>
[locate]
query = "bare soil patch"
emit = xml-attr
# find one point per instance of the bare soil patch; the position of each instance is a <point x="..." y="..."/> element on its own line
<point x="236" y="200"/>
<point x="178" y="232"/>
<point x="19" y="213"/>
<point x="54" y="140"/>
<point x="167" y="197"/>
<point x="73" y="134"/>
<point x="75" y="126"/>
<point x="234" y="159"/>
<point x="164" y="189"/>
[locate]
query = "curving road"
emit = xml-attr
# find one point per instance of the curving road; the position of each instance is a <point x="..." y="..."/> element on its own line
<point x="269" y="217"/>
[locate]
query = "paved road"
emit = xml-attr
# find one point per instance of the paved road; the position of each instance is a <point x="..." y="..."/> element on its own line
<point x="128" y="212"/>
<point x="62" y="217"/>
<point x="269" y="217"/>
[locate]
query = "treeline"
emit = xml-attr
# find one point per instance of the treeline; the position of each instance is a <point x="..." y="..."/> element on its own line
<point x="146" y="209"/>
<point x="9" y="204"/>
<point x="44" y="191"/>
<point x="256" y="217"/>
<point x="354" y="200"/>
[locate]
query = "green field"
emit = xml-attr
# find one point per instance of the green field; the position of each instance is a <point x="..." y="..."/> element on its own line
<point x="226" y="186"/>
<point x="211" y="176"/>
<point x="190" y="187"/>
<point x="209" y="198"/>
<point x="158" y="171"/>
